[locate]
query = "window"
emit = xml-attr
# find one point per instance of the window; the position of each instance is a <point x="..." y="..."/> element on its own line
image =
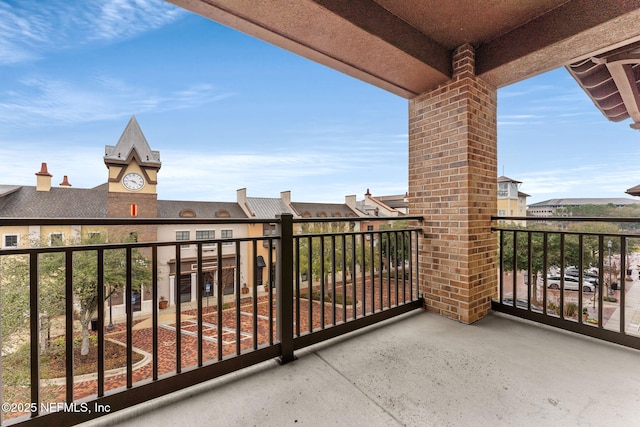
<point x="206" y="235"/>
<point x="182" y="235"/>
<point x="94" y="237"/>
<point x="10" y="241"/>
<point x="268" y="229"/>
<point x="226" y="234"/>
<point x="503" y="189"/>
<point x="502" y="212"/>
<point x="56" y="239"/>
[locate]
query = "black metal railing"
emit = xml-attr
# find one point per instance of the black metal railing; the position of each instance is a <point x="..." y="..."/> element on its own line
<point x="328" y="279"/>
<point x="579" y="274"/>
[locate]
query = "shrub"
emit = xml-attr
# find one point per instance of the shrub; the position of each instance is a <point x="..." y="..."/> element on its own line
<point x="570" y="309"/>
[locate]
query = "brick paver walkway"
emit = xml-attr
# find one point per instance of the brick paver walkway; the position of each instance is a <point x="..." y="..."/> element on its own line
<point x="142" y="336"/>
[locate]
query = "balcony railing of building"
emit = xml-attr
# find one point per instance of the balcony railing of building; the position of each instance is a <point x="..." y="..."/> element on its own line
<point x="329" y="278"/>
<point x="578" y="274"/>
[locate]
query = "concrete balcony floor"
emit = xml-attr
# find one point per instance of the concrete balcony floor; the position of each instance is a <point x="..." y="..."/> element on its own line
<point x="420" y="370"/>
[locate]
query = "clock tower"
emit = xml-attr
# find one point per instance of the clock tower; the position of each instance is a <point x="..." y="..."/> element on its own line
<point x="133" y="177"/>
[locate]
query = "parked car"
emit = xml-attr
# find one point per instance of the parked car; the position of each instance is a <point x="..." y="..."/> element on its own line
<point x="572" y="271"/>
<point x="570" y="284"/>
<point x="587" y="276"/>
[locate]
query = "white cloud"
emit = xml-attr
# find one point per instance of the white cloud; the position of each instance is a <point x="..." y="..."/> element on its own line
<point x="28" y="30"/>
<point x="45" y="101"/>
<point x="597" y="180"/>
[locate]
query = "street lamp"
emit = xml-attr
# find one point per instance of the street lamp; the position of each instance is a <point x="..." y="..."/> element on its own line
<point x="609" y="243"/>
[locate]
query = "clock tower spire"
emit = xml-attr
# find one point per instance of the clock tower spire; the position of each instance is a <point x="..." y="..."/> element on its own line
<point x="133" y="166"/>
<point x="133" y="178"/>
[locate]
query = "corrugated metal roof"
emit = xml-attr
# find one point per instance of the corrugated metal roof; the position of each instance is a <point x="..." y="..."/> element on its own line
<point x="267" y="208"/>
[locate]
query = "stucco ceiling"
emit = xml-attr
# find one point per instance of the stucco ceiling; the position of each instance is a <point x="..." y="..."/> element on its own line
<point x="405" y="47"/>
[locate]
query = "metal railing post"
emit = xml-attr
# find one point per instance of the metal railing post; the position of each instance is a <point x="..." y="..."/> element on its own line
<point x="284" y="287"/>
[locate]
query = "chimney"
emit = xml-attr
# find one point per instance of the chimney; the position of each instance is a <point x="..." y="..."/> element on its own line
<point x="367" y="194"/>
<point x="241" y="196"/>
<point x="65" y="182"/>
<point x="286" y="197"/>
<point x="43" y="179"/>
<point x="242" y="201"/>
<point x="350" y="201"/>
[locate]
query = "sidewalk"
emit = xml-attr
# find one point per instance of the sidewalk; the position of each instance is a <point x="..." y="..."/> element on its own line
<point x="632" y="310"/>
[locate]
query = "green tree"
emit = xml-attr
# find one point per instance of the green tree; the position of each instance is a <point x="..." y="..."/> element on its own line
<point x="321" y="251"/>
<point x="15" y="296"/>
<point x="85" y="281"/>
<point x="395" y="246"/>
<point x="14" y="278"/>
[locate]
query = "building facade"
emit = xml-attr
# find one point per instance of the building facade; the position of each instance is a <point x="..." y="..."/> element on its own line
<point x="131" y="192"/>
<point x="552" y="207"/>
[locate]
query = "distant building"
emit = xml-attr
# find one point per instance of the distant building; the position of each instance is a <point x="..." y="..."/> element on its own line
<point x="551" y="206"/>
<point x="511" y="201"/>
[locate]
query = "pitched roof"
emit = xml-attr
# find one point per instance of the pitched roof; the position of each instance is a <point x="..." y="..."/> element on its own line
<point x="507" y="179"/>
<point x="267" y="208"/>
<point x="320" y="210"/>
<point x="132" y="143"/>
<point x="27" y="202"/>
<point x="173" y="208"/>
<point x="8" y="189"/>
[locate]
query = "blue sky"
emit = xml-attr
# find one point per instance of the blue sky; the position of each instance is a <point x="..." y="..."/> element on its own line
<point x="227" y="111"/>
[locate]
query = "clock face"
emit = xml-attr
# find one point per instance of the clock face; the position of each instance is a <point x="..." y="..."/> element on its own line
<point x="133" y="181"/>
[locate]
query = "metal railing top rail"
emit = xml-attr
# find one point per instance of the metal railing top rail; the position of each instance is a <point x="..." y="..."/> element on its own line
<point x="355" y="233"/>
<point x="124" y="245"/>
<point x="359" y="219"/>
<point x="8" y="221"/>
<point x="569" y="232"/>
<point x="565" y="218"/>
<point x="5" y="221"/>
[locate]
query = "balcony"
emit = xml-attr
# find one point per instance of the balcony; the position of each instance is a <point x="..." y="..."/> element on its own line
<point x="419" y="369"/>
<point x="225" y="311"/>
<point x="366" y="358"/>
<point x="573" y="277"/>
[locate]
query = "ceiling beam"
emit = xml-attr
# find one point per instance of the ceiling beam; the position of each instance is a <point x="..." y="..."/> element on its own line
<point x="379" y="22"/>
<point x="557" y="38"/>
<point x="308" y="29"/>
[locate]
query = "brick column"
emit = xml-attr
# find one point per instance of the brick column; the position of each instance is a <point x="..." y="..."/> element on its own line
<point x="452" y="183"/>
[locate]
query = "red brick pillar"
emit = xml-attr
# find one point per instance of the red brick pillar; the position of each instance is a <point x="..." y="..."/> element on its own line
<point x="452" y="183"/>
